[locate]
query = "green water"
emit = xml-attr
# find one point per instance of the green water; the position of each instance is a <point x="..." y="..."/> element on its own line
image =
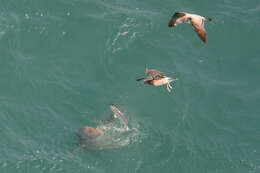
<point x="63" y="61"/>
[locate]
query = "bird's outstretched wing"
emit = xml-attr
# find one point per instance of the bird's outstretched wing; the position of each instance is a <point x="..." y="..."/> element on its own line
<point x="175" y="17"/>
<point x="154" y="74"/>
<point x="198" y="26"/>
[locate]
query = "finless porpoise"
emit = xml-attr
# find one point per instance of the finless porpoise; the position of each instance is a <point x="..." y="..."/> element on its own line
<point x="88" y="135"/>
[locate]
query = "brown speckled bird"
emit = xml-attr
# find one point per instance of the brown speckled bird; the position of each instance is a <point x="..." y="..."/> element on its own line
<point x="157" y="78"/>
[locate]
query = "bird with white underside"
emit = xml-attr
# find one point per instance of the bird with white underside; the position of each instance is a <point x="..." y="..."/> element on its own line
<point x="157" y="78"/>
<point x="195" y="20"/>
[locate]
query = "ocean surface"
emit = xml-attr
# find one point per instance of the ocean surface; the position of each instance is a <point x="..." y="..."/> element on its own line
<point x="63" y="61"/>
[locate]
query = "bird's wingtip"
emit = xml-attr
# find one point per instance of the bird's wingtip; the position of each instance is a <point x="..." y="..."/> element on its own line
<point x="111" y="104"/>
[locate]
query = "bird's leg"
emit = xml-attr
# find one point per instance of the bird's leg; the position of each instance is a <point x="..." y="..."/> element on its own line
<point x="168" y="88"/>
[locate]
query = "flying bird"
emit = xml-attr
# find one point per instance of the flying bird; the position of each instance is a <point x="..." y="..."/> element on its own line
<point x="197" y="22"/>
<point x="157" y="78"/>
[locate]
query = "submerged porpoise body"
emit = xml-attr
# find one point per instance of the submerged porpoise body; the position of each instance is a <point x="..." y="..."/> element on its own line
<point x="98" y="137"/>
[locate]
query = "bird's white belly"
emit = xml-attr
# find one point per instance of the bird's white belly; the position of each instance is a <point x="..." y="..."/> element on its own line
<point x="160" y="82"/>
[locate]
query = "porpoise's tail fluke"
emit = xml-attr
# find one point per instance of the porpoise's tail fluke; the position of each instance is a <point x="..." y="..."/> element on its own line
<point x="118" y="112"/>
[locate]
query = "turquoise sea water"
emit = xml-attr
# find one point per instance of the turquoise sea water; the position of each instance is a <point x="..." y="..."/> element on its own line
<point x="62" y="62"/>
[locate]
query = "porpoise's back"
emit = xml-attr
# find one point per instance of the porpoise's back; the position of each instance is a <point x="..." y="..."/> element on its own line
<point x="88" y="132"/>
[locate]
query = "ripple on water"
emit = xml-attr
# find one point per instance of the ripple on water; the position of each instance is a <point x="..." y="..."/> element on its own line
<point x="122" y="37"/>
<point x="38" y="160"/>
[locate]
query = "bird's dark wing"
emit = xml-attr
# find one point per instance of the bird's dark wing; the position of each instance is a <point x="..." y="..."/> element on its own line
<point x="176" y="16"/>
<point x="154" y="74"/>
<point x="198" y="26"/>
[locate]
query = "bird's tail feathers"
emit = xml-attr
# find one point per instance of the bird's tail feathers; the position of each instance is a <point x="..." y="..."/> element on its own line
<point x="171" y="79"/>
<point x="140" y="79"/>
<point x="208" y="19"/>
